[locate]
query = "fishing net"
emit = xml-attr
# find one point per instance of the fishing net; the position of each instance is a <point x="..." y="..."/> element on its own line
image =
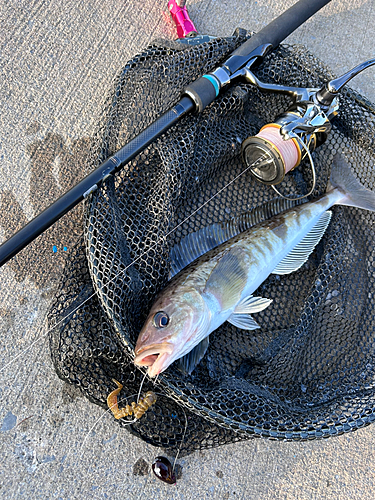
<point x="309" y="371"/>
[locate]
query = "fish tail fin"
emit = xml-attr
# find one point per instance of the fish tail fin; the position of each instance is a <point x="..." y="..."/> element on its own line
<point x="355" y="194"/>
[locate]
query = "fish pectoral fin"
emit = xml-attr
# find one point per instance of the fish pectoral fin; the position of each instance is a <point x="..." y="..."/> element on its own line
<point x="250" y="305"/>
<point x="187" y="363"/>
<point x="301" y="252"/>
<point x="241" y="315"/>
<point x="243" y="321"/>
<point x="228" y="278"/>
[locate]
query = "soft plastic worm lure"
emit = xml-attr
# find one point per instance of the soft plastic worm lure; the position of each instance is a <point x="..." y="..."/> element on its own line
<point x="137" y="409"/>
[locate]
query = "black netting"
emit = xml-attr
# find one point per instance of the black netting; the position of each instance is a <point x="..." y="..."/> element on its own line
<point x="309" y="371"/>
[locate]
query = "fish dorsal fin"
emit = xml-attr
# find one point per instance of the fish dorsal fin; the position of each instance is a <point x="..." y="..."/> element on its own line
<point x="301" y="252"/>
<point x="187" y="363"/>
<point x="196" y="244"/>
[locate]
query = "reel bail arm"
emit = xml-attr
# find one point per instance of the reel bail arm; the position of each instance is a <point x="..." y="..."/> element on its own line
<point x="302" y="128"/>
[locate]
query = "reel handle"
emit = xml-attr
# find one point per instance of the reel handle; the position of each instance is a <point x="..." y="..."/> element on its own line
<point x="326" y="95"/>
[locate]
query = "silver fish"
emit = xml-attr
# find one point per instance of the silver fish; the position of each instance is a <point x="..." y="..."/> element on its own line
<point x="219" y="285"/>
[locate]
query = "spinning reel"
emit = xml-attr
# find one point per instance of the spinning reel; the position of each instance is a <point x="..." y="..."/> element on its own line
<point x="279" y="147"/>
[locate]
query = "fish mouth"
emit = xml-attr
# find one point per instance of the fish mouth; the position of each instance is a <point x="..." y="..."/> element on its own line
<point x="155" y="357"/>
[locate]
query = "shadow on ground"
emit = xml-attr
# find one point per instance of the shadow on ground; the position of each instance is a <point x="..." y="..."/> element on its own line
<point x="56" y="166"/>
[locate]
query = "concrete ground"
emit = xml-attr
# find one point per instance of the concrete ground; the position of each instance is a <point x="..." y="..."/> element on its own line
<point x="57" y="63"/>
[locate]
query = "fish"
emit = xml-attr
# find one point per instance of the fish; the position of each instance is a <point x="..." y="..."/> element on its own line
<point x="218" y="286"/>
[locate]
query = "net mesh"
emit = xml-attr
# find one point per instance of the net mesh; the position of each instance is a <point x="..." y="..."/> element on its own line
<point x="308" y="372"/>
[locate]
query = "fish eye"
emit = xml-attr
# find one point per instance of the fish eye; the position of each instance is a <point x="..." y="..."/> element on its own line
<point x="161" y="319"/>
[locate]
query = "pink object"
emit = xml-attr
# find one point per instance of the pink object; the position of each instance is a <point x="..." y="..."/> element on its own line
<point x="180" y="17"/>
<point x="289" y="151"/>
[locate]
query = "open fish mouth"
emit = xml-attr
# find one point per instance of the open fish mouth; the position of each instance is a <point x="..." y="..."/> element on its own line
<point x="156" y="358"/>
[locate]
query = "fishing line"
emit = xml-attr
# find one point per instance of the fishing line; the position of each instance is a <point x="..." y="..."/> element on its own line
<point x="127" y="267"/>
<point x="287" y="148"/>
<point x="182" y="440"/>
<point x="140" y="387"/>
<point x="98" y="420"/>
<point x="156" y="378"/>
<point x="312" y="171"/>
<point x="30" y="346"/>
<point x="110" y="281"/>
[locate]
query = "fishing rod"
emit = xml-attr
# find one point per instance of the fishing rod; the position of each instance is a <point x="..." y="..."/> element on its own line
<point x="195" y="98"/>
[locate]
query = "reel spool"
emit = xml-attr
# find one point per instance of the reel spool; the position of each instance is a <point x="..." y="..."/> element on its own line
<point x="274" y="152"/>
<point x="269" y="156"/>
